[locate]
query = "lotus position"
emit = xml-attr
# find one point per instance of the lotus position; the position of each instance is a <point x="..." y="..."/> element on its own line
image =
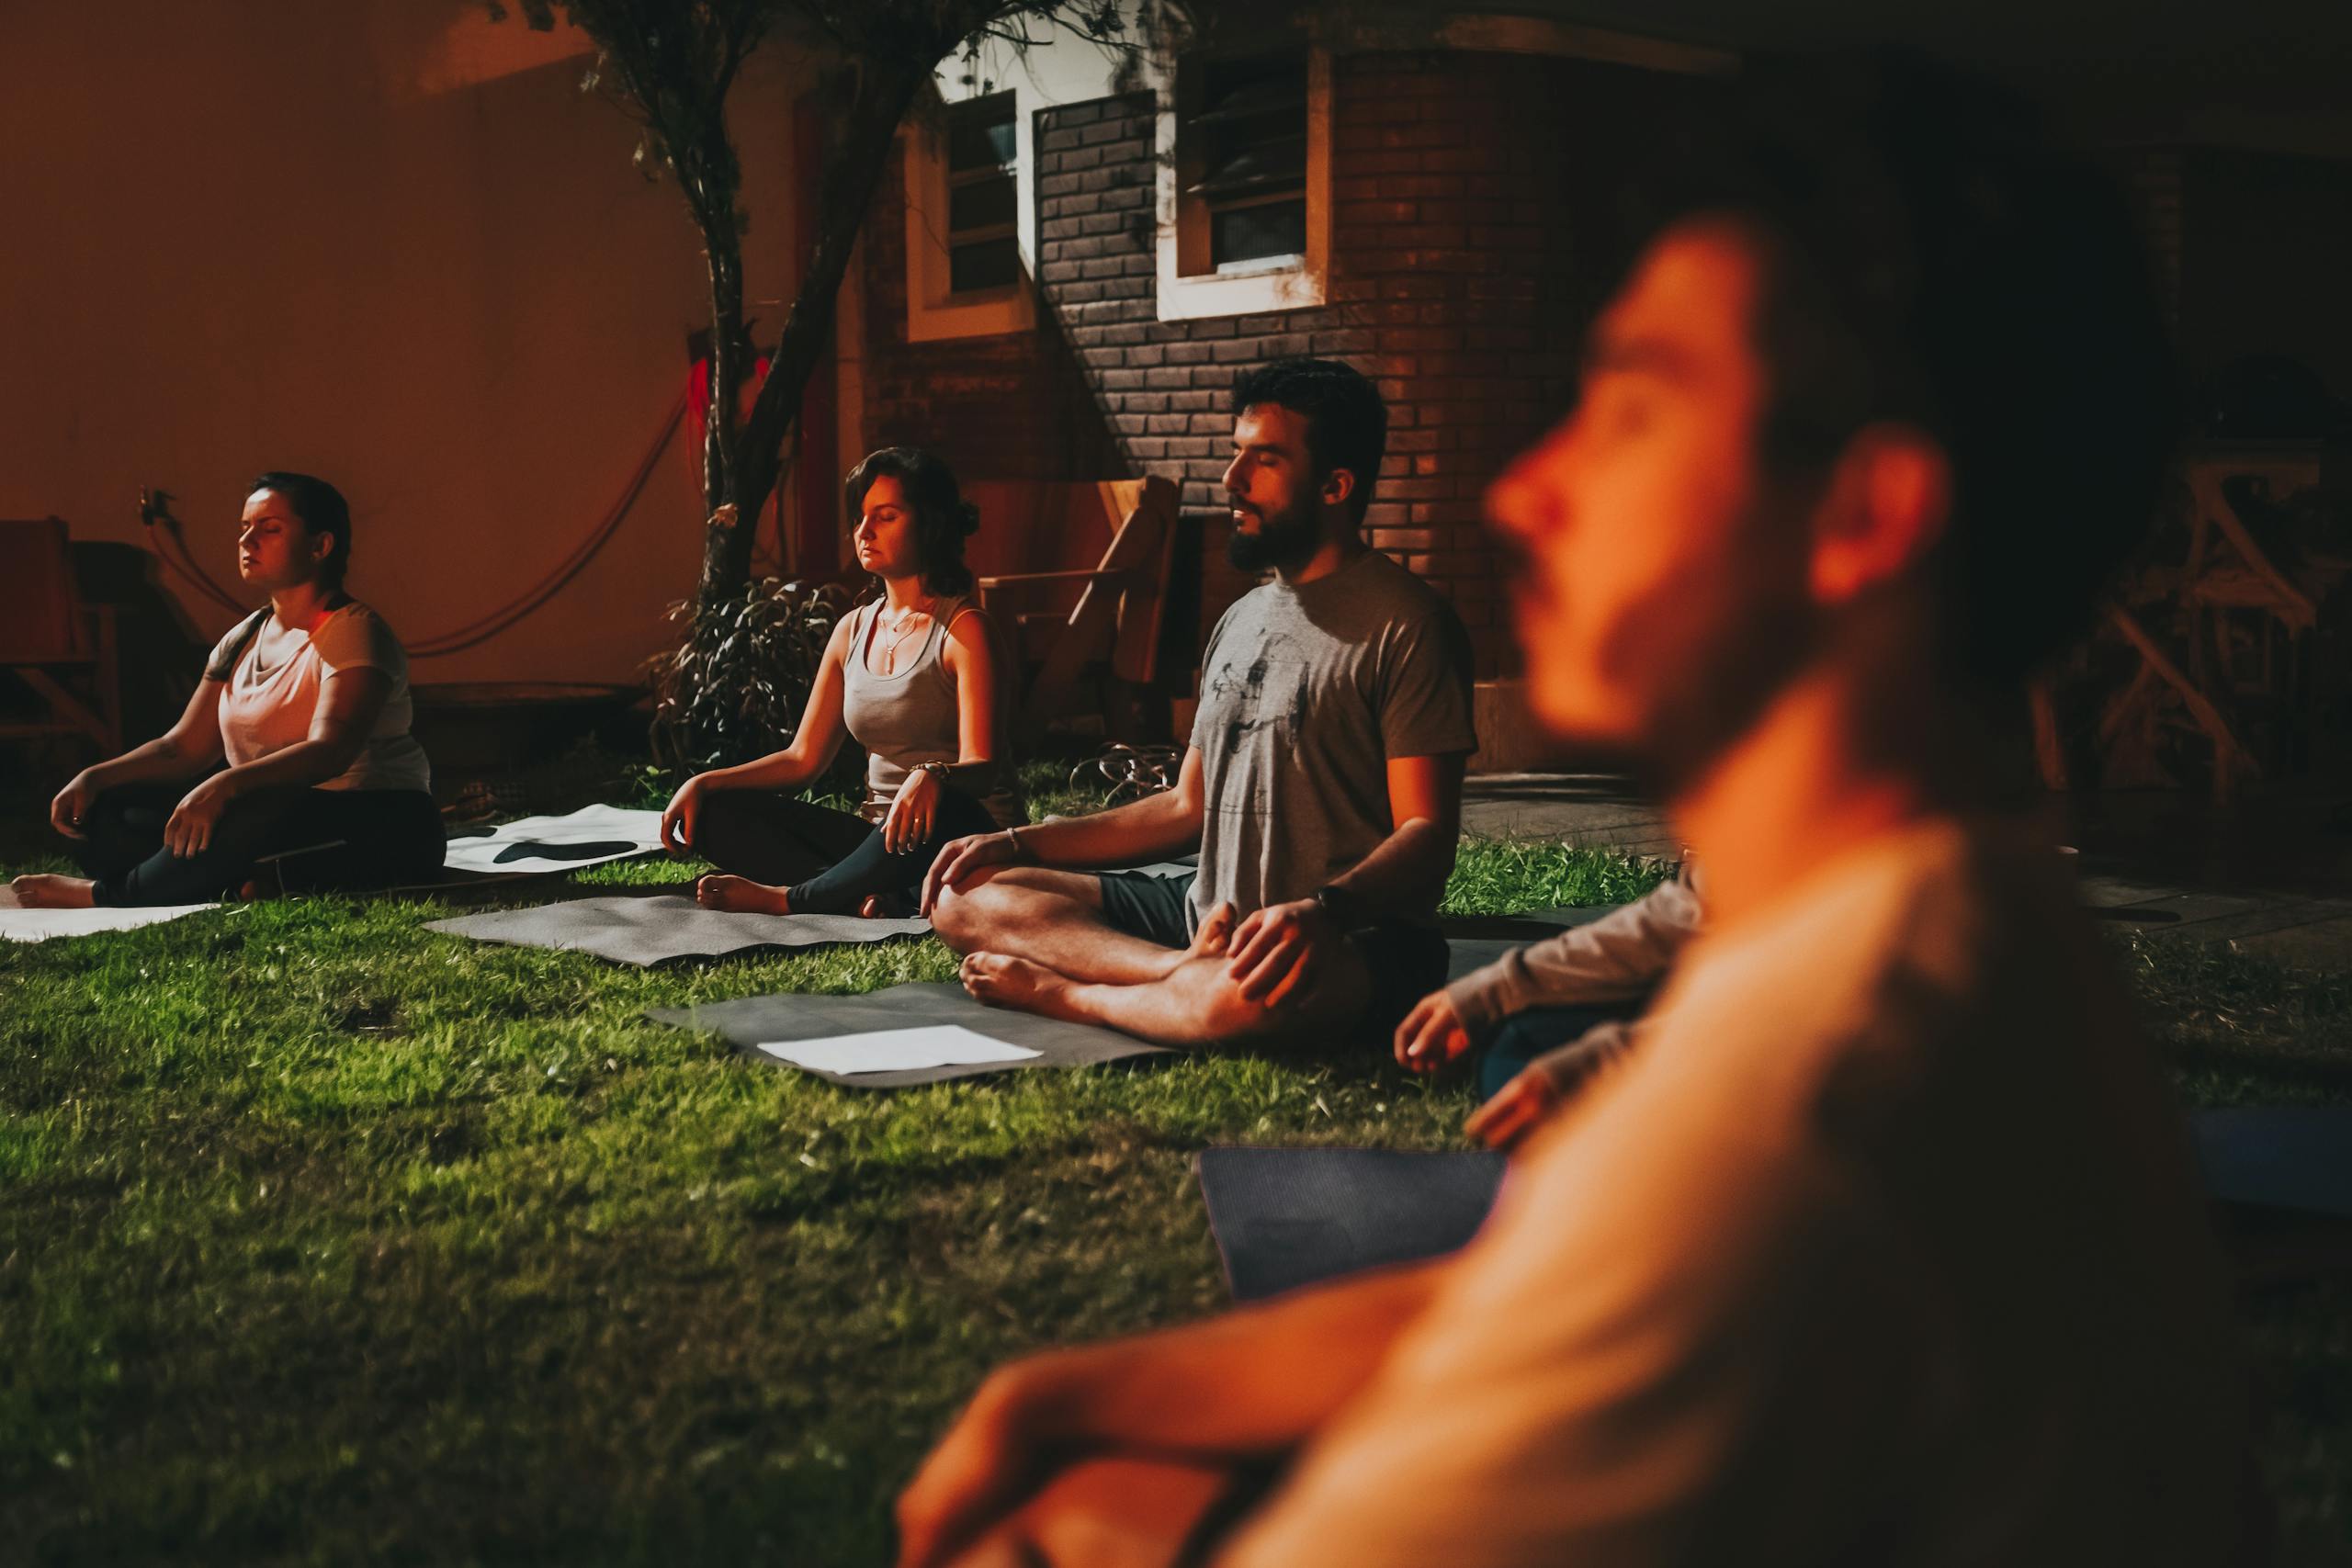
<point x="1884" y="1247"/>
<point x="306" y="702"/>
<point x="911" y="677"/>
<point x="1322" y="786"/>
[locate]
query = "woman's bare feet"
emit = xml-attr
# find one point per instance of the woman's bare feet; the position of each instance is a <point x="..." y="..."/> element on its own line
<point x="1003" y="981"/>
<point x="40" y="890"/>
<point x="740" y="895"/>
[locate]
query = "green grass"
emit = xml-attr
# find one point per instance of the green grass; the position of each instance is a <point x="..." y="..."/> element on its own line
<point x="326" y="1238"/>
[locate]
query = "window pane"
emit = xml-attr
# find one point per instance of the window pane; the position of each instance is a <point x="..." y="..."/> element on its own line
<point x="984" y="204"/>
<point x="979" y="135"/>
<point x="1257" y="233"/>
<point x="987" y="264"/>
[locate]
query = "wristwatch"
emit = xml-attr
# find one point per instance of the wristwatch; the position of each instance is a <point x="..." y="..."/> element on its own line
<point x="1347" y="911"/>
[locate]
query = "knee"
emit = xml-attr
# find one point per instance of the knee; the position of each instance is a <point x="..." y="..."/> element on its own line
<point x="965" y="916"/>
<point x="718" y="824"/>
<point x="959" y="915"/>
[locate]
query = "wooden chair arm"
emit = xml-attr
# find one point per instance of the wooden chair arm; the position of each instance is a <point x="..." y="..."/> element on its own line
<point x="1076" y="574"/>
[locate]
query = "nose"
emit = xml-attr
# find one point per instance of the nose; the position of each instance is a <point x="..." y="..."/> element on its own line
<point x="1517" y="507"/>
<point x="1232" y="475"/>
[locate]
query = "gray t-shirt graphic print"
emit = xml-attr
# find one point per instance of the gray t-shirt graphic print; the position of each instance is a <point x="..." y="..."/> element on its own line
<point x="1305" y="693"/>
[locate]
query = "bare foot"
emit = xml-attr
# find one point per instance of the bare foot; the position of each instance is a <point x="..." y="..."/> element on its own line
<point x="38" y="890"/>
<point x="1003" y="981"/>
<point x="1210" y="942"/>
<point x="871" y="907"/>
<point x="1215" y="933"/>
<point x="717" y="890"/>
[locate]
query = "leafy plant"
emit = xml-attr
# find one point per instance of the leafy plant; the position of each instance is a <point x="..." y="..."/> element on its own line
<point x="735" y="688"/>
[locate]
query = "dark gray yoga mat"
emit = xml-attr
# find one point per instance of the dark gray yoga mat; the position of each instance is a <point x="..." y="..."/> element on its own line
<point x="2293" y="1157"/>
<point x="1289" y="1217"/>
<point x="749" y="1020"/>
<point x="657" y="930"/>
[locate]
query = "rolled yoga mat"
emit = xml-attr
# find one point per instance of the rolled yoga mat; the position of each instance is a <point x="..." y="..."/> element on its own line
<point x="662" y="928"/>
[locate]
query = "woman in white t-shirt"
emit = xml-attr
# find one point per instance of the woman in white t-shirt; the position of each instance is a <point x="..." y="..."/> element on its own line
<point x="306" y="700"/>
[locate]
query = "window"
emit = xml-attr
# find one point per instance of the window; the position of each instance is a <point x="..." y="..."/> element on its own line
<point x="964" y="276"/>
<point x="983" y="196"/>
<point x="1241" y="148"/>
<point x="1245" y="184"/>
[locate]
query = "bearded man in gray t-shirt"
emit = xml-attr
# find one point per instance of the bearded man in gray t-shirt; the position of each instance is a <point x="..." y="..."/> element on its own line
<point x="1322" y="787"/>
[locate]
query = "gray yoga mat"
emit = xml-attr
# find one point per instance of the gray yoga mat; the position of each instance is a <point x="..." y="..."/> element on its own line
<point x="2292" y="1157"/>
<point x="656" y="929"/>
<point x="1289" y="1217"/>
<point x="749" y="1021"/>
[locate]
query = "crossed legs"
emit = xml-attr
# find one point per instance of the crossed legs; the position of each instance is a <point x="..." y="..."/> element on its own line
<point x="1036" y="941"/>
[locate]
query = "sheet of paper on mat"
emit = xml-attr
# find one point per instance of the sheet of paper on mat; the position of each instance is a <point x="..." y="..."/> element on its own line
<point x="590" y="836"/>
<point x="40" y="925"/>
<point x="895" y="1050"/>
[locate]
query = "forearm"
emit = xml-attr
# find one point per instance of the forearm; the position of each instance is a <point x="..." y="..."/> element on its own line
<point x="787" y="769"/>
<point x="159" y="760"/>
<point x="1145" y="829"/>
<point x="1256" y="1380"/>
<point x="1620" y="957"/>
<point x="301" y="765"/>
<point x="1405" y="873"/>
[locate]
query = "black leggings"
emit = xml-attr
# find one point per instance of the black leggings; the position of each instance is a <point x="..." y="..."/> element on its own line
<point x="827" y="862"/>
<point x="387" y="837"/>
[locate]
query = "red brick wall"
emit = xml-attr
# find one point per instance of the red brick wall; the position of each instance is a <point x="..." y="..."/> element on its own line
<point x="1466" y="192"/>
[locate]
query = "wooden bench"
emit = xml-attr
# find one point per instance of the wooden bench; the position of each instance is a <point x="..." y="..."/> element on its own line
<point x="1076" y="575"/>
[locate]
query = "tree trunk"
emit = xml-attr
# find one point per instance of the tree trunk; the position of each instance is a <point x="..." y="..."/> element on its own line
<point x="727" y="512"/>
<point x="754" y="458"/>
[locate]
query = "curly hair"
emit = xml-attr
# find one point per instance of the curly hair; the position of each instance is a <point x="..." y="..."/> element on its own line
<point x="944" y="519"/>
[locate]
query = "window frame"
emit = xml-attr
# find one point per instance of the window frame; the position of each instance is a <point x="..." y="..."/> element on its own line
<point x="935" y="311"/>
<point x="1185" y="291"/>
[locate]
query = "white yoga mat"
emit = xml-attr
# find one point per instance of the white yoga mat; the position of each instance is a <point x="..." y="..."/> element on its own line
<point x="895" y="1050"/>
<point x="40" y="925"/>
<point x="590" y="836"/>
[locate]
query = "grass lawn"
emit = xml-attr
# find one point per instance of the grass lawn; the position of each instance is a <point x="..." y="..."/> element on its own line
<point x="327" y="1238"/>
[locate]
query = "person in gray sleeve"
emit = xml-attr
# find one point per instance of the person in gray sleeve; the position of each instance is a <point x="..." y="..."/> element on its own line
<point x="1322" y="786"/>
<point x="1546" y="1017"/>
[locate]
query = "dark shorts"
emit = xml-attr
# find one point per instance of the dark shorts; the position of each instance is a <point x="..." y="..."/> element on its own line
<point x="1407" y="961"/>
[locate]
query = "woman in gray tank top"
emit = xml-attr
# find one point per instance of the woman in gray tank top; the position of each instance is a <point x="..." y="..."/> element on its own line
<point x="911" y="677"/>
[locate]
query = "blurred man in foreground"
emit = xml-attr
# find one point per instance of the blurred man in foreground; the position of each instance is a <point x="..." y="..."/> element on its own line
<point x="1885" y="1247"/>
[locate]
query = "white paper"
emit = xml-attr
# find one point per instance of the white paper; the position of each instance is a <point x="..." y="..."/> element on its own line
<point x="617" y="833"/>
<point x="40" y="925"/>
<point x="895" y="1050"/>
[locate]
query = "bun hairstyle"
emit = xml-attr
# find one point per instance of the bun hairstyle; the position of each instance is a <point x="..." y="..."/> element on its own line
<point x="944" y="519"/>
<point x="322" y="509"/>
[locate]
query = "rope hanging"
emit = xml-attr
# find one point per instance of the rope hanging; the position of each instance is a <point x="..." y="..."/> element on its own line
<point x="161" y="525"/>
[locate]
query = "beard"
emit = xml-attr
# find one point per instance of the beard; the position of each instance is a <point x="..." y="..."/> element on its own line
<point x="1282" y="539"/>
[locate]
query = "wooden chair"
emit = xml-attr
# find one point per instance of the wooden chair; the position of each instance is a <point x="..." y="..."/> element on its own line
<point x="48" y="636"/>
<point x="1064" y="617"/>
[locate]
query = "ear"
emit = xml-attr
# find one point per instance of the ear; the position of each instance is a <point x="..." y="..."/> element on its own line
<point x="1888" y="501"/>
<point x="322" y="546"/>
<point x="1337" y="485"/>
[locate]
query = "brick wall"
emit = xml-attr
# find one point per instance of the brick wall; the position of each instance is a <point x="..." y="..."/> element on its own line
<point x="1012" y="406"/>
<point x="1463" y="188"/>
